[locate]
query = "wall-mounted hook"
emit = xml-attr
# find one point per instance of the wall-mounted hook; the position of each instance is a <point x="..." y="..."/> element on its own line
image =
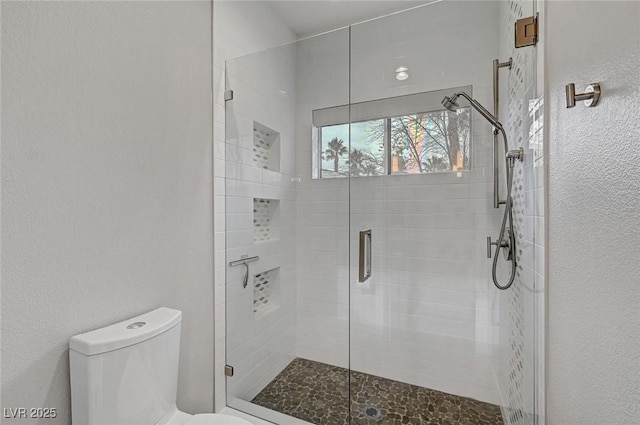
<point x="591" y="95"/>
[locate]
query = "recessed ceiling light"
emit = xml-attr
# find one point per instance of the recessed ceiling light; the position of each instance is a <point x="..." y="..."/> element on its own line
<point x="401" y="73"/>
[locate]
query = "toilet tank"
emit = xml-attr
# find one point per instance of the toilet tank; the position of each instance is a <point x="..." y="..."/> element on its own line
<point x="127" y="373"/>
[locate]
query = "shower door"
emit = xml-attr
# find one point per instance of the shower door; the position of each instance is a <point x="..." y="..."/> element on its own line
<point x="432" y="340"/>
<point x="425" y="324"/>
<point x="358" y="288"/>
<point x="287" y="221"/>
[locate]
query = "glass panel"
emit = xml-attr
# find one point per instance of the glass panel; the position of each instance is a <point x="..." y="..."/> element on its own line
<point x="432" y="338"/>
<point x="287" y="309"/>
<point x="343" y="135"/>
<point x="521" y="306"/>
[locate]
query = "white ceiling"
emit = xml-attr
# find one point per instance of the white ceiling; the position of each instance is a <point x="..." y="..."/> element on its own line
<point x="308" y="17"/>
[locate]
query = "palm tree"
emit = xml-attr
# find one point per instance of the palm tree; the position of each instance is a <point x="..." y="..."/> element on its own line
<point x="362" y="163"/>
<point x="356" y="162"/>
<point x="335" y="149"/>
<point x="371" y="169"/>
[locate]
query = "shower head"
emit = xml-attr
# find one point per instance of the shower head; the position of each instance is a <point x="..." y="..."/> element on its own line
<point x="451" y="103"/>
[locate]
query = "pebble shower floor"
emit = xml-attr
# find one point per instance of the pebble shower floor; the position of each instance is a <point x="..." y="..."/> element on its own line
<point x="319" y="393"/>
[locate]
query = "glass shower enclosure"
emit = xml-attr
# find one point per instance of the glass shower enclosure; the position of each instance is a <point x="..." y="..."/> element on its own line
<point x="358" y="288"/>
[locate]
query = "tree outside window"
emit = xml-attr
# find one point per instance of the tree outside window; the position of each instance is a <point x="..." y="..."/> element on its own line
<point x="420" y="143"/>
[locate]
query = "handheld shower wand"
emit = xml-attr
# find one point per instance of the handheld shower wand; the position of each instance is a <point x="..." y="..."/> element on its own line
<point x="451" y="103"/>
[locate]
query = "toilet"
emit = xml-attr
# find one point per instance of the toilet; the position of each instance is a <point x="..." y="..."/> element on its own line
<point x="127" y="374"/>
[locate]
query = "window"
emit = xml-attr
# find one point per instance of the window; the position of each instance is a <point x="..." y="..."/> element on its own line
<point x="437" y="140"/>
<point x="367" y="156"/>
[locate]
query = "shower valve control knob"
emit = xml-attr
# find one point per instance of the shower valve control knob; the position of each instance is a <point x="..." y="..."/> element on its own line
<point x="489" y="243"/>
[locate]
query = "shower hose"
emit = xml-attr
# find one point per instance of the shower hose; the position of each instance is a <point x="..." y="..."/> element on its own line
<point x="507" y="214"/>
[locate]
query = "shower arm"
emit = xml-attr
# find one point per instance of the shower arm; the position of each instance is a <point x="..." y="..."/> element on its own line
<point x="450" y="103"/>
<point x="488" y="116"/>
<point x="483" y="111"/>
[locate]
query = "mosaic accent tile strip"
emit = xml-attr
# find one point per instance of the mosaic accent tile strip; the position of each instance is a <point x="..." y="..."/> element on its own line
<point x="319" y="393"/>
<point x="515" y="362"/>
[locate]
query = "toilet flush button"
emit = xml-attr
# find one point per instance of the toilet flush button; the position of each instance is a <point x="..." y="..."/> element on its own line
<point x="136" y="325"/>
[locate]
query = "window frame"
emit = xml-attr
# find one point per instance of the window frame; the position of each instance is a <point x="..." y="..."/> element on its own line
<point x="381" y="109"/>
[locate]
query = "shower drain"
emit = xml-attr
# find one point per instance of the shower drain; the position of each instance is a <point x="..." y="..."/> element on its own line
<point x="371" y="412"/>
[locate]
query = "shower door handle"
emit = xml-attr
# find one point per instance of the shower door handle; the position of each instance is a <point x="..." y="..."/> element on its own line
<point x="364" y="258"/>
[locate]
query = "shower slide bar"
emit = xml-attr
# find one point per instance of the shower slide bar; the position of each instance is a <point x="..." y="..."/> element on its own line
<point x="244" y="260"/>
<point x="451" y="103"/>
<point x="496" y="98"/>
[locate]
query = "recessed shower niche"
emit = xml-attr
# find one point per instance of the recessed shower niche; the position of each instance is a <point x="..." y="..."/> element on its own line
<point x="266" y="147"/>
<point x="266" y="287"/>
<point x="265" y="219"/>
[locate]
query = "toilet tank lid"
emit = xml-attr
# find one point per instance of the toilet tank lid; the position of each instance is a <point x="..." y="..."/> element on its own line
<point x="126" y="333"/>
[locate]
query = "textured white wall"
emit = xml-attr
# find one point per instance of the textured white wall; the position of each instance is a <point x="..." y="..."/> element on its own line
<point x="106" y="185"/>
<point x="594" y="182"/>
<point x="240" y="28"/>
